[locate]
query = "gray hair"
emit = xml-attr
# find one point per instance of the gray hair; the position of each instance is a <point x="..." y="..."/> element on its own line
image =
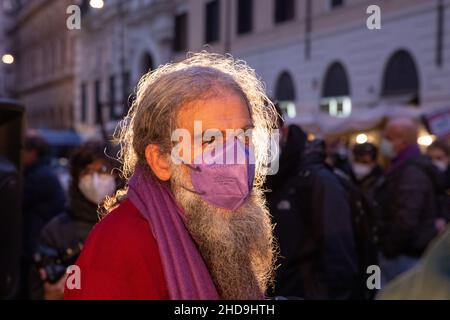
<point x="161" y="92"/>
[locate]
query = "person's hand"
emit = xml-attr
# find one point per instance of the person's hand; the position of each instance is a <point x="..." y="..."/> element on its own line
<point x="53" y="291"/>
<point x="440" y="224"/>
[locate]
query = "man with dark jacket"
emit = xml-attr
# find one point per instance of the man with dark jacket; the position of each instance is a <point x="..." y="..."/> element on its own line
<point x="408" y="199"/>
<point x="281" y="197"/>
<point x="43" y="194"/>
<point x="10" y="233"/>
<point x="43" y="198"/>
<point x="313" y="224"/>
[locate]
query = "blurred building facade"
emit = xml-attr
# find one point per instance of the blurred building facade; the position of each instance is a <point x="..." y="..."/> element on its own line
<point x="3" y="51"/>
<point x="317" y="57"/>
<point x="116" y="45"/>
<point x="43" y="48"/>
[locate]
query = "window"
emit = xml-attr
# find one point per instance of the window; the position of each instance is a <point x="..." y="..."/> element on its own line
<point x="63" y="53"/>
<point x="146" y="63"/>
<point x="440" y="34"/>
<point x="112" y="98"/>
<point x="285" y="94"/>
<point x="212" y="21"/>
<point x="71" y="115"/>
<point x="83" y="102"/>
<point x="308" y="29"/>
<point x="180" y="38"/>
<point x="336" y="3"/>
<point x="284" y="10"/>
<point x="84" y="6"/>
<point x="98" y="104"/>
<point x="336" y="92"/>
<point x="244" y="16"/>
<point x="126" y="91"/>
<point x="400" y="79"/>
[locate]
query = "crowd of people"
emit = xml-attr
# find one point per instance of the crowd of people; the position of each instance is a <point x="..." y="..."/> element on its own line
<point x="334" y="212"/>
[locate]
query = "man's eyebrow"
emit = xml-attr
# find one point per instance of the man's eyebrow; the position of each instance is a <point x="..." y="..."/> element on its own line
<point x="223" y="132"/>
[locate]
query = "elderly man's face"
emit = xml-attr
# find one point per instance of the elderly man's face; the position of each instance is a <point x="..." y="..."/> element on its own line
<point x="221" y="113"/>
<point x="395" y="135"/>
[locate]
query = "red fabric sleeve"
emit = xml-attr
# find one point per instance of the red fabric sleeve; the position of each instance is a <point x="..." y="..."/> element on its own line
<point x="120" y="260"/>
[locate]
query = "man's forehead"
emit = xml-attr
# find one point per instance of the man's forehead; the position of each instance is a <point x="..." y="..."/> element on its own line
<point x="229" y="112"/>
<point x="393" y="129"/>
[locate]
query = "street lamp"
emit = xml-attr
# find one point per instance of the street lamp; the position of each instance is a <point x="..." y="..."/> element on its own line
<point x="8" y="58"/>
<point x="361" y="138"/>
<point x="96" y="4"/>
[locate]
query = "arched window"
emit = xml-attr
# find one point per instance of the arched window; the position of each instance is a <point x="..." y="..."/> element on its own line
<point x="400" y="79"/>
<point x="285" y="94"/>
<point x="146" y="63"/>
<point x="336" y="92"/>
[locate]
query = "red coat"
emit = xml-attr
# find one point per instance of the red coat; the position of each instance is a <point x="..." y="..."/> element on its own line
<point x="120" y="260"/>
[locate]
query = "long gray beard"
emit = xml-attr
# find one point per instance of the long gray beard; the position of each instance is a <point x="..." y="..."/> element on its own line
<point x="237" y="246"/>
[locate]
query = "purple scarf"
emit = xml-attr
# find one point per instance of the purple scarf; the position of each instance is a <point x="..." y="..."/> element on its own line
<point x="185" y="272"/>
<point x="409" y="152"/>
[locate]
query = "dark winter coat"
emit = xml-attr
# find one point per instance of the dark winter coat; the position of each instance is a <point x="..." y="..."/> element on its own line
<point x="314" y="231"/>
<point x="410" y="206"/>
<point x="43" y="199"/>
<point x="66" y="230"/>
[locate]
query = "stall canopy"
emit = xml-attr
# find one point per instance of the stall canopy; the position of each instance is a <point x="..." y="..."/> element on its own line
<point x="363" y="119"/>
<point x="60" y="138"/>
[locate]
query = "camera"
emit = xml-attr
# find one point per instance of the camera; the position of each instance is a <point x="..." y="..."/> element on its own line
<point x="55" y="262"/>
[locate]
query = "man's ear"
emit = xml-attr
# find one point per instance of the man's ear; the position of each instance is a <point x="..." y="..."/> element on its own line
<point x="159" y="163"/>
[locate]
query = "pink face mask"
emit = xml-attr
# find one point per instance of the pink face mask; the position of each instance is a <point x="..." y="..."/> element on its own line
<point x="225" y="183"/>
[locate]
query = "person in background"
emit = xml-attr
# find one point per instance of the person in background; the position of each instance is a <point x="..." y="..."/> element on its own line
<point x="292" y="144"/>
<point x="280" y="187"/>
<point x="313" y="223"/>
<point x="43" y="199"/>
<point x="365" y="167"/>
<point x="439" y="153"/>
<point x="10" y="232"/>
<point x="92" y="181"/>
<point x="338" y="157"/>
<point x="407" y="198"/>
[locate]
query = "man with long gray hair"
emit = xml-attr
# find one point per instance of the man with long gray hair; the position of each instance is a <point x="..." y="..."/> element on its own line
<point x="192" y="222"/>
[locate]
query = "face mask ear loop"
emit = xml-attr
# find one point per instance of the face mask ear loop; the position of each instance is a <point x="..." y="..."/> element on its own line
<point x="191" y="167"/>
<point x="193" y="191"/>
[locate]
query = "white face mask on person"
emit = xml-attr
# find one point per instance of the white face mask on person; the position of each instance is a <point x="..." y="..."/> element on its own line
<point x="95" y="187"/>
<point x="440" y="164"/>
<point x="362" y="170"/>
<point x="387" y="148"/>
